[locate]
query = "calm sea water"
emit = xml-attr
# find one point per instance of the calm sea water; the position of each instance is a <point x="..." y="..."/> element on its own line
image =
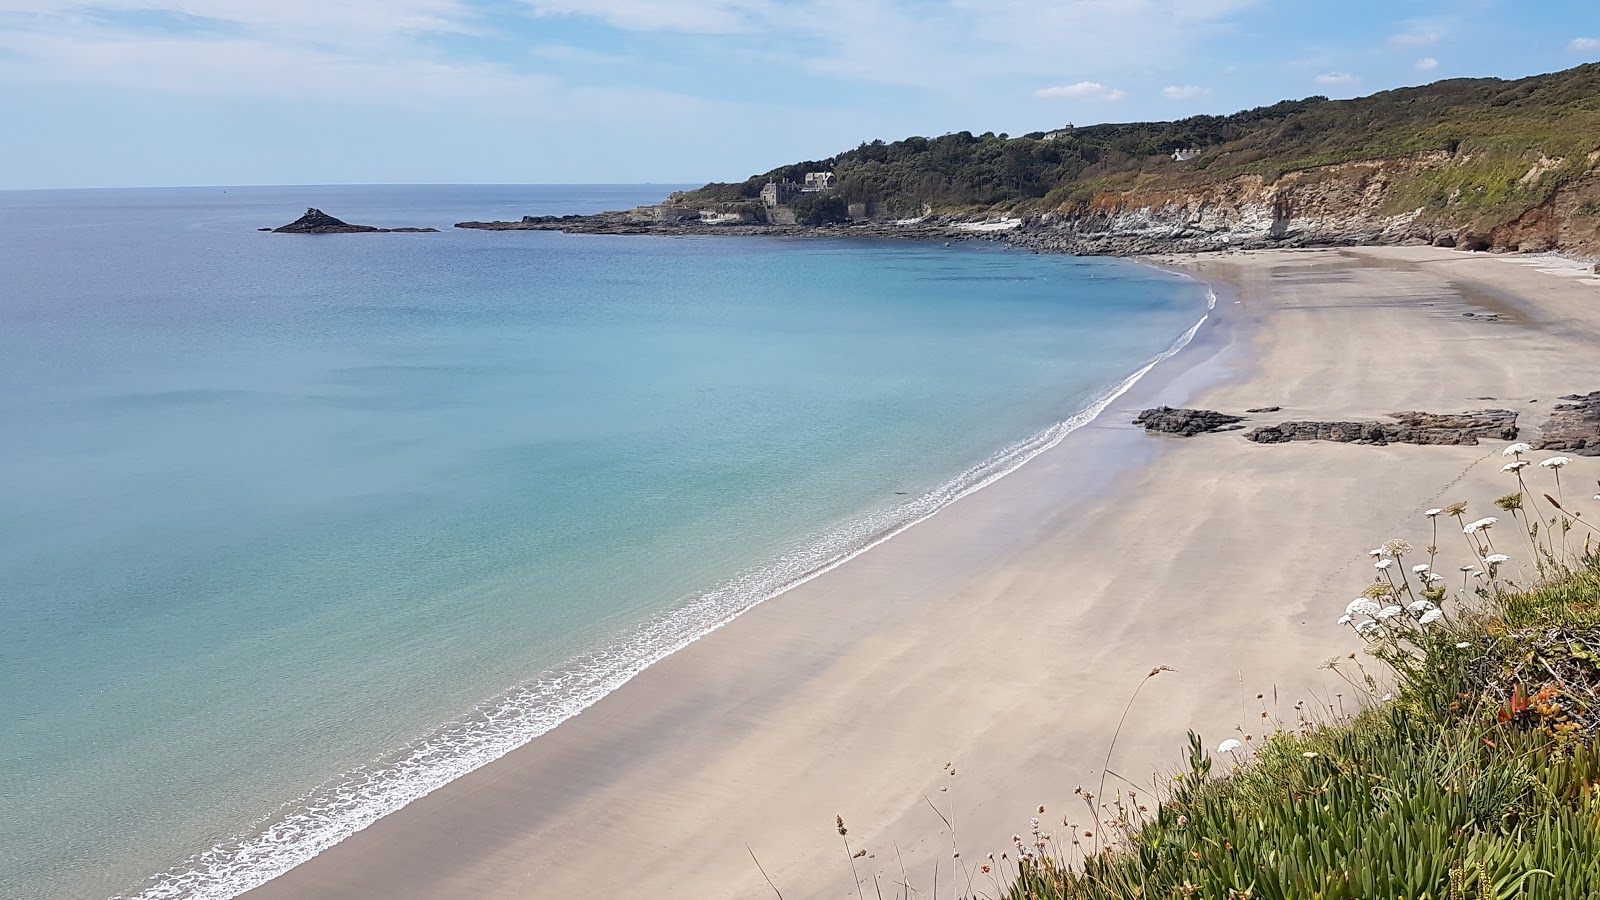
<point x="294" y="529"/>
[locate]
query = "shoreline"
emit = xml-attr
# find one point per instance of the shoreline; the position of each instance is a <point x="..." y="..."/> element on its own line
<point x="818" y="695"/>
<point x="214" y="874"/>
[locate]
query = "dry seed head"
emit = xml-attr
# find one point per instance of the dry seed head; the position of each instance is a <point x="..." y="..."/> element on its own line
<point x="838" y="822"/>
<point x="1456" y="509"/>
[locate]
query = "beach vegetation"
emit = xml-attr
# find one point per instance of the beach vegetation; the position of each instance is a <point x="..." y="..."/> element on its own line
<point x="1467" y="766"/>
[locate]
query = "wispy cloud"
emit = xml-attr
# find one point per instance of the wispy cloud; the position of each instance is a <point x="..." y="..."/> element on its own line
<point x="1584" y="45"/>
<point x="1426" y="64"/>
<point x="1416" y="39"/>
<point x="1185" y="92"/>
<point x="692" y="16"/>
<point x="1332" y="79"/>
<point x="1083" y="90"/>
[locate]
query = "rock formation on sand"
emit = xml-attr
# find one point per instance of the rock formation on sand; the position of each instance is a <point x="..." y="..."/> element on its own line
<point x="315" y="221"/>
<point x="1574" y="426"/>
<point x="1186" y="422"/>
<point x="1408" y="428"/>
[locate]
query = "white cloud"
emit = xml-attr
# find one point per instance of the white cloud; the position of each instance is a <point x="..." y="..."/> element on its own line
<point x="1186" y="92"/>
<point x="1083" y="90"/>
<point x="1336" y="78"/>
<point x="1584" y="45"/>
<point x="1416" y="39"/>
<point x="1427" y="64"/>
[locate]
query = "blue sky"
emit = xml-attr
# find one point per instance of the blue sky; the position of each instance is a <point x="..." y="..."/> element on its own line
<point x="174" y="92"/>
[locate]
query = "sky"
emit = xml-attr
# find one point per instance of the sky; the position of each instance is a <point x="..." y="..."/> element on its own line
<point x="108" y="93"/>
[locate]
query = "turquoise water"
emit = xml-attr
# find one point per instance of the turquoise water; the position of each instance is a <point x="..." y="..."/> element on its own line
<point x="294" y="529"/>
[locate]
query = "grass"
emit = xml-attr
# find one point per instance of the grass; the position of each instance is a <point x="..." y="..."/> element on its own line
<point x="1477" y="776"/>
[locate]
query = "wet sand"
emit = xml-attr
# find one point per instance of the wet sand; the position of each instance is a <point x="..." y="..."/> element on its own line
<point x="1005" y="634"/>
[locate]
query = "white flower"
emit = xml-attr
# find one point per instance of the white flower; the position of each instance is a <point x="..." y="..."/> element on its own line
<point x="1434" y="578"/>
<point x="1362" y="606"/>
<point x="1516" y="449"/>
<point x="1495" y="559"/>
<point x="1517" y="466"/>
<point x="1385" y="698"/>
<point x="1389" y="612"/>
<point x="1229" y="746"/>
<point x="1367" y="627"/>
<point x="1433" y="513"/>
<point x="1555" y="462"/>
<point x="1421" y="606"/>
<point x="1475" y="527"/>
<point x="1420" y="569"/>
<point x="1383" y="564"/>
<point x="1431" y="616"/>
<point x="1463" y="645"/>
<point x="1376" y="551"/>
<point x="1346" y="619"/>
<point x="1468" y="568"/>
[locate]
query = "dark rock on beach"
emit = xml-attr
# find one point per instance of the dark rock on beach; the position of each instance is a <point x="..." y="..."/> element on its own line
<point x="1186" y="422"/>
<point x="315" y="221"/>
<point x="1574" y="426"/>
<point x="1265" y="409"/>
<point x="1408" y="428"/>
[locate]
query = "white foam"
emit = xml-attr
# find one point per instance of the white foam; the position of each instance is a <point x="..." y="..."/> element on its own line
<point x="357" y="799"/>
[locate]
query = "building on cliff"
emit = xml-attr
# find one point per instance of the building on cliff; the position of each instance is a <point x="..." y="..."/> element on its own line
<point x="1185" y="155"/>
<point x="1060" y="132"/>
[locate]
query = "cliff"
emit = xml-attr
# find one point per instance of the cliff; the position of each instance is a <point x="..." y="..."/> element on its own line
<point x="1368" y="202"/>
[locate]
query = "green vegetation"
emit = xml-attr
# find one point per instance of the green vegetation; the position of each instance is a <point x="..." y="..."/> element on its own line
<point x="1478" y="777"/>
<point x="1496" y="132"/>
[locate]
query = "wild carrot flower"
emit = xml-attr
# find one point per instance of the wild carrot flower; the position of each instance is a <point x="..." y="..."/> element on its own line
<point x="1516" y="449"/>
<point x="1396" y="547"/>
<point x="1389" y="612"/>
<point x="1433" y="513"/>
<point x="1231" y="745"/>
<point x="1431" y="616"/>
<point x="1495" y="559"/>
<point x="1434" y="577"/>
<point x="1362" y="606"/>
<point x="1555" y="462"/>
<point x="1456" y="509"/>
<point x="1420" y="607"/>
<point x="1517" y="466"/>
<point x="1419" y="569"/>
<point x="1366" y="627"/>
<point x="1375" y="552"/>
<point x="1479" y="525"/>
<point x="1346" y="619"/>
<point x="1383" y="564"/>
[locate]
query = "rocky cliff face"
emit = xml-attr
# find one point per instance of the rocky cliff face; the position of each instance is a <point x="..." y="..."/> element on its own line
<point x="1336" y="205"/>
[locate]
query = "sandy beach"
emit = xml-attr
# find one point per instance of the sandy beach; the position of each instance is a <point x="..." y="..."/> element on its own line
<point x="1005" y="635"/>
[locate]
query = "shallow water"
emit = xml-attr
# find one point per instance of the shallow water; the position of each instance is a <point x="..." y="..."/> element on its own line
<point x="293" y="528"/>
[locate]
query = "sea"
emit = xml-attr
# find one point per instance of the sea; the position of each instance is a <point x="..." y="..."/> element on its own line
<point x="296" y="529"/>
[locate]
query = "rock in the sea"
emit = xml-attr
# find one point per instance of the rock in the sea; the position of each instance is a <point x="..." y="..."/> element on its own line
<point x="1574" y="426"/>
<point x="1408" y="428"/>
<point x="315" y="221"/>
<point x="1186" y="422"/>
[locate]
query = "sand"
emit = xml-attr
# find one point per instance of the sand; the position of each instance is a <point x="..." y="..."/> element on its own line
<point x="1006" y="634"/>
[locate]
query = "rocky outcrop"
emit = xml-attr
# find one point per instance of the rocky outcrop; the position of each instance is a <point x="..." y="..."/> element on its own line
<point x="315" y="221"/>
<point x="1574" y="426"/>
<point x="1408" y="428"/>
<point x="1348" y="204"/>
<point x="1187" y="422"/>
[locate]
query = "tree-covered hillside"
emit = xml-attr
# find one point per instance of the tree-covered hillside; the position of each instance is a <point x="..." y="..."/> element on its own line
<point x="1494" y="126"/>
